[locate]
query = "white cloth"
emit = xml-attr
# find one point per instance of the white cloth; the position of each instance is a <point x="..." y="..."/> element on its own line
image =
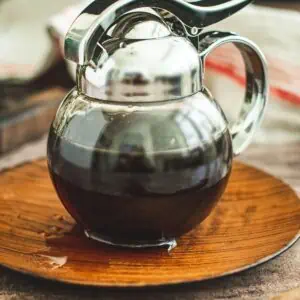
<point x="277" y="33"/>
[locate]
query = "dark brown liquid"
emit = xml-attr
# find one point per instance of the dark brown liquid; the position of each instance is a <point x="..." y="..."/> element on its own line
<point x="126" y="197"/>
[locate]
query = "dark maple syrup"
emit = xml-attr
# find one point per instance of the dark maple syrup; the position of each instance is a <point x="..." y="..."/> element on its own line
<point x="129" y="196"/>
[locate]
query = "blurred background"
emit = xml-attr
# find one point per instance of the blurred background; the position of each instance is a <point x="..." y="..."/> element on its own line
<point x="34" y="77"/>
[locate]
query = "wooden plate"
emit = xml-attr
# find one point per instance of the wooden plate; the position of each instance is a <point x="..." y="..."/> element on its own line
<point x="257" y="219"/>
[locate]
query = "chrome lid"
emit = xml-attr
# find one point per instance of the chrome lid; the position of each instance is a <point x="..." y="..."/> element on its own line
<point x="142" y="61"/>
<point x="141" y="51"/>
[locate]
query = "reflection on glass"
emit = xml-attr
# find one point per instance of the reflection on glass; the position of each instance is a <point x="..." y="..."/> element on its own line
<point x="142" y="174"/>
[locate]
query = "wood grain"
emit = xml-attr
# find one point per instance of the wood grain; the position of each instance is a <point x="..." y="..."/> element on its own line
<point x="290" y="295"/>
<point x="29" y="119"/>
<point x="27" y="110"/>
<point x="258" y="218"/>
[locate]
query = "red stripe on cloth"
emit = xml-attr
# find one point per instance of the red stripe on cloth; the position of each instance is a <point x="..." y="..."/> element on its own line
<point x="228" y="71"/>
<point x="285" y="95"/>
<point x="225" y="70"/>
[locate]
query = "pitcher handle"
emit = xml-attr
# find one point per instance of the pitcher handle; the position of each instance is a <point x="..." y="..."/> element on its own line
<point x="256" y="93"/>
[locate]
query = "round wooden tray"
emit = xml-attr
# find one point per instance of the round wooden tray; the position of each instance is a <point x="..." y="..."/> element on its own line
<point x="257" y="219"/>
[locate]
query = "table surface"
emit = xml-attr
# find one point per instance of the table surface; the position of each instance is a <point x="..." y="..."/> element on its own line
<point x="284" y="162"/>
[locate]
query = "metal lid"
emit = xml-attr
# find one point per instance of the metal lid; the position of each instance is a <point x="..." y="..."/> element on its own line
<point x="189" y="16"/>
<point x="140" y="60"/>
<point x="133" y="56"/>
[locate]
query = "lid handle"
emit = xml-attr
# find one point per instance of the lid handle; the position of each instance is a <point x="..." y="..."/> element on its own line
<point x="84" y="34"/>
